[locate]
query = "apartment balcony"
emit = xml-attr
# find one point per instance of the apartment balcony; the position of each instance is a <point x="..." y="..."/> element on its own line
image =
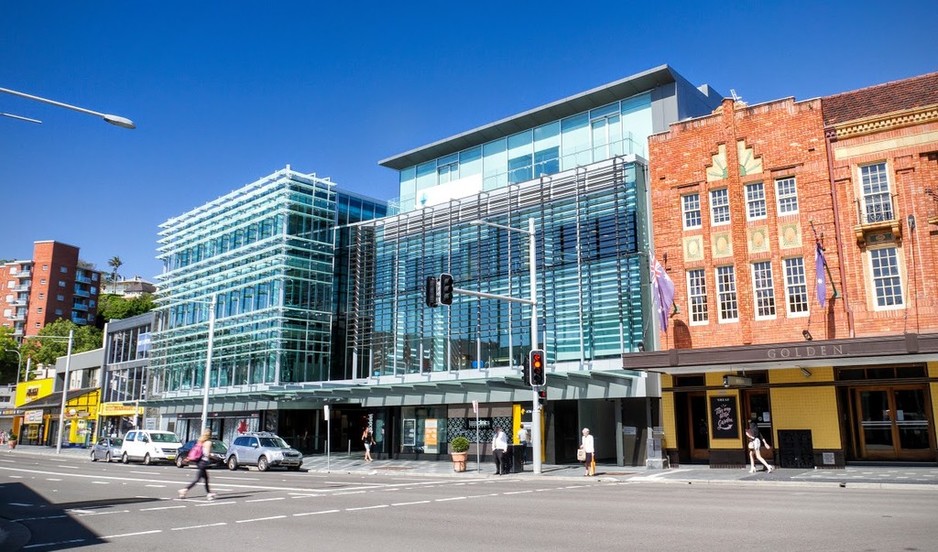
<point x="80" y="307"/>
<point x="81" y="292"/>
<point x="19" y="316"/>
<point x="19" y="302"/>
<point x="23" y="274"/>
<point x="18" y="332"/>
<point x="877" y="215"/>
<point x="80" y="319"/>
<point x="83" y="278"/>
<point x="22" y="288"/>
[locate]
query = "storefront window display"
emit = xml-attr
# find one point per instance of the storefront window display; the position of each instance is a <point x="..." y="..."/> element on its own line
<point x="423" y="430"/>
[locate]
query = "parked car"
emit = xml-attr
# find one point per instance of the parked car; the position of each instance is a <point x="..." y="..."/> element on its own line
<point x="149" y="446"/>
<point x="107" y="449"/>
<point x="217" y="458"/>
<point x="264" y="450"/>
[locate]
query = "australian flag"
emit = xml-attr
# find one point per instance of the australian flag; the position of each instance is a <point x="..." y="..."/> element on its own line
<point x="820" y="263"/>
<point x="662" y="291"/>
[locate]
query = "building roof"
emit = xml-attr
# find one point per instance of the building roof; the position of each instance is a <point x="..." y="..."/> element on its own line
<point x="883" y="98"/>
<point x="578" y="103"/>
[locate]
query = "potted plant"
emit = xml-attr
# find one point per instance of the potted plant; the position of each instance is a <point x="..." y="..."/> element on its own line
<point x="459" y="450"/>
<point x="11" y="439"/>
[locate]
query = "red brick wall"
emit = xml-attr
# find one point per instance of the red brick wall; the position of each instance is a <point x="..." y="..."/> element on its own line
<point x="789" y="138"/>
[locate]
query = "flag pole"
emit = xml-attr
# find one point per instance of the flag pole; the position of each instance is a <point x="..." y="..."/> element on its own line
<point x="830" y="277"/>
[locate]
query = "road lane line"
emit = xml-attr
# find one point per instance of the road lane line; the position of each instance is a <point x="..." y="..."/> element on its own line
<point x="133" y="534"/>
<point x="316" y="513"/>
<point x="266" y="499"/>
<point x="199" y="526"/>
<point x="216" y="502"/>
<point x="100" y="482"/>
<point x="104" y="513"/>
<point x="367" y="508"/>
<point x="39" y="518"/>
<point x="53" y="479"/>
<point x="235" y="478"/>
<point x="348" y="493"/>
<point x="517" y="492"/>
<point x="48" y="544"/>
<point x="157" y="486"/>
<point x="411" y="503"/>
<point x="450" y="499"/>
<point x="259" y="519"/>
<point x="156" y="508"/>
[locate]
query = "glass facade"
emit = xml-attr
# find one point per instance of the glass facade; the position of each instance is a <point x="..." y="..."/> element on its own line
<point x="591" y="250"/>
<point x="266" y="254"/>
<point x="619" y="128"/>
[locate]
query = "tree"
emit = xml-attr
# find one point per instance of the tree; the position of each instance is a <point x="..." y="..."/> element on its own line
<point x="115" y="263"/>
<point x="116" y="307"/>
<point x="9" y="361"/>
<point x="45" y="351"/>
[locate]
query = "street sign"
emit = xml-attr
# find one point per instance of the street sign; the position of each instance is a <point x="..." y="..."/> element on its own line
<point x="475" y="407"/>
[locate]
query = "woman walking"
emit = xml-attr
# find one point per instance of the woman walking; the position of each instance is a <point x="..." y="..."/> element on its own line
<point x="201" y="452"/>
<point x="590" y="449"/>
<point x="367" y="440"/>
<point x="756" y="441"/>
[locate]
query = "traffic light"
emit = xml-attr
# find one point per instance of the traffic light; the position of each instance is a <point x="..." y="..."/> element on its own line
<point x="432" y="300"/>
<point x="536" y="366"/>
<point x="446" y="289"/>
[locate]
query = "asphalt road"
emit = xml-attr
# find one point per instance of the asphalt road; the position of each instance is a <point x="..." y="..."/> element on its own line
<point x="69" y="505"/>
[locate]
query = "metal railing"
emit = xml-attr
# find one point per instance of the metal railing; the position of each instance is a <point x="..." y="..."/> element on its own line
<point x="875" y="208"/>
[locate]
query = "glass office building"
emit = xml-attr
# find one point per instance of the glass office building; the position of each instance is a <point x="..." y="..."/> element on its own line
<point x="263" y="258"/>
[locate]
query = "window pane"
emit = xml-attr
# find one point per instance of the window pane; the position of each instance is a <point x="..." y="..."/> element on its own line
<point x="691" y="206"/>
<point x="876" y="199"/>
<point x="763" y="289"/>
<point x="755" y="201"/>
<point x="796" y="288"/>
<point x="697" y="295"/>
<point x="786" y="195"/>
<point x="719" y="207"/>
<point x="886" y="278"/>
<point x="726" y="293"/>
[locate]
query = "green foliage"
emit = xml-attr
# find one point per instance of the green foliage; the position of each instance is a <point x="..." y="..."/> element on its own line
<point x="459" y="444"/>
<point x="8" y="358"/>
<point x="45" y="351"/>
<point x="116" y="307"/>
<point x="12" y="437"/>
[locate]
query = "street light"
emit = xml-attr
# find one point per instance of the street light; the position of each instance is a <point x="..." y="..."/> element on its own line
<point x="68" y="361"/>
<point x="532" y="261"/>
<point x="115" y="120"/>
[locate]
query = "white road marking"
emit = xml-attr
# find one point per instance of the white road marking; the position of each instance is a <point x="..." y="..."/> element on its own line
<point x="411" y="503"/>
<point x="160" y="508"/>
<point x="348" y="493"/>
<point x="259" y="519"/>
<point x="142" y="472"/>
<point x="216" y="503"/>
<point x="316" y="513"/>
<point x="40" y="518"/>
<point x="18" y="504"/>
<point x="367" y="508"/>
<point x="266" y="499"/>
<point x="104" y="513"/>
<point x="100" y="482"/>
<point x="517" y="492"/>
<point x="307" y="496"/>
<point x="199" y="526"/>
<point x="236" y="478"/>
<point x="67" y="467"/>
<point x="157" y="486"/>
<point x="133" y="534"/>
<point x="53" y="479"/>
<point x="449" y="499"/>
<point x="16" y="477"/>
<point x="48" y="544"/>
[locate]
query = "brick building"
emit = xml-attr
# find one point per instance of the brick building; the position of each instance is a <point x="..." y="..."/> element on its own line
<point x="834" y="363"/>
<point x="50" y="286"/>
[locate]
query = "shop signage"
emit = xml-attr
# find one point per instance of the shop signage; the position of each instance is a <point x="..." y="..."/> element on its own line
<point x="805" y="351"/>
<point x="723" y="417"/>
<point x="32" y="417"/>
<point x="429" y="433"/>
<point x="410" y="432"/>
<point x="119" y="409"/>
<point x="483" y="423"/>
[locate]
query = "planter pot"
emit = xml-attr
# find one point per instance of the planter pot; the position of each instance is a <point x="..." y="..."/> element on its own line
<point x="459" y="461"/>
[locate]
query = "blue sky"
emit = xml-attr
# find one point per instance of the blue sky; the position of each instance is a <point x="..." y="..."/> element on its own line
<point x="225" y="93"/>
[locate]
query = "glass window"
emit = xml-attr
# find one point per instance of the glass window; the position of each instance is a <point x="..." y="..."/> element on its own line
<point x="763" y="289"/>
<point x="796" y="288"/>
<point x="697" y="295"/>
<point x="495" y="164"/>
<point x="690" y="203"/>
<point x="877" y="200"/>
<point x="755" y="201"/>
<point x="719" y="207"/>
<point x="726" y="294"/>
<point x="61" y="283"/>
<point x="786" y="196"/>
<point x="470" y="161"/>
<point x="886" y="279"/>
<point x="63" y="269"/>
<point x="520" y="162"/>
<point x="575" y="141"/>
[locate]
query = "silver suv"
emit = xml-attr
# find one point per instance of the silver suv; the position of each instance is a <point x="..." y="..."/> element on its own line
<point x="262" y="449"/>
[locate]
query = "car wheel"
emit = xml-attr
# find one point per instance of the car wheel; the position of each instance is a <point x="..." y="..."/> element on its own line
<point x="93" y="457"/>
<point x="179" y="461"/>
<point x="125" y="459"/>
<point x="262" y="463"/>
<point x="107" y="457"/>
<point x="146" y="460"/>
<point x="232" y="463"/>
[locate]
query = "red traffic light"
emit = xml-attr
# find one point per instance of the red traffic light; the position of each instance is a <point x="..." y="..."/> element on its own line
<point x="538" y="375"/>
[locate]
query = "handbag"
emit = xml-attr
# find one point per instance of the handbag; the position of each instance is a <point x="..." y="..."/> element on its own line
<point x="752" y="445"/>
<point x="580" y="455"/>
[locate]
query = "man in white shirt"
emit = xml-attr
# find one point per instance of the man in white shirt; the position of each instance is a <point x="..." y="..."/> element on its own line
<point x="524" y="442"/>
<point x="499" y="448"/>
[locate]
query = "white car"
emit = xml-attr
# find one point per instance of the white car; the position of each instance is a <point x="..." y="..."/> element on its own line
<point x="150" y="446"/>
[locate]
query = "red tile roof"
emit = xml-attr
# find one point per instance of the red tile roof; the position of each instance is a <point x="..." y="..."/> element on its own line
<point x="881" y="99"/>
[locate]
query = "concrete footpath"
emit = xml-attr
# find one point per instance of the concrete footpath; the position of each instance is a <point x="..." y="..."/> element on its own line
<point x="924" y="476"/>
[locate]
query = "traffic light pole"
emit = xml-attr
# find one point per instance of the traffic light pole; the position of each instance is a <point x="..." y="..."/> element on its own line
<point x="536" y="410"/>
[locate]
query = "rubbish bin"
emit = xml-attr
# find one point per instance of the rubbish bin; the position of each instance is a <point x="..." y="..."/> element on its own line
<point x="515" y="458"/>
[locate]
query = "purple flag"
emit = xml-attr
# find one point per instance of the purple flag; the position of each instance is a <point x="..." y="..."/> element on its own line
<point x="821" y="276"/>
<point x="662" y="289"/>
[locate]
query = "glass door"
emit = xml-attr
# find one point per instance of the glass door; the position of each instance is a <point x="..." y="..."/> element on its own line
<point x="756" y="402"/>
<point x="894" y="423"/>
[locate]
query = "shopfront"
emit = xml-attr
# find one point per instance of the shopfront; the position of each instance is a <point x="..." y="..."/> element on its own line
<point x="820" y="404"/>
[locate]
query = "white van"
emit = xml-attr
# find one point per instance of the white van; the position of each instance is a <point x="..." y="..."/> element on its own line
<point x="149" y="446"/>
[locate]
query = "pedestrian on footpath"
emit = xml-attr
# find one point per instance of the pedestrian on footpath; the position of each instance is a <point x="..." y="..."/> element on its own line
<point x="368" y="439"/>
<point x="499" y="448"/>
<point x="590" y="449"/>
<point x="201" y="452"/>
<point x="524" y="442"/>
<point x="756" y="442"/>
